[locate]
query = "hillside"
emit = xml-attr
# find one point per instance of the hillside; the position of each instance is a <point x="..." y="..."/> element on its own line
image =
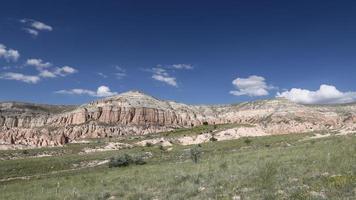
<point x="135" y="113"/>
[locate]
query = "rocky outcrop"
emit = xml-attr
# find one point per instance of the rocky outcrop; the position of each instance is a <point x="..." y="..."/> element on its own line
<point x="134" y="113"/>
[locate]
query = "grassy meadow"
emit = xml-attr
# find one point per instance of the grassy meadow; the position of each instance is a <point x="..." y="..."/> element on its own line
<point x="271" y="167"/>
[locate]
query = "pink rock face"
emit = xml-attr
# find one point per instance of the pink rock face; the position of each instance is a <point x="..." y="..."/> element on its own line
<point x="134" y="113"/>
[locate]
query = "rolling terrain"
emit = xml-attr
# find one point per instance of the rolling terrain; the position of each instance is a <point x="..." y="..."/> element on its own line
<point x="24" y="125"/>
<point x="134" y="146"/>
<point x="293" y="166"/>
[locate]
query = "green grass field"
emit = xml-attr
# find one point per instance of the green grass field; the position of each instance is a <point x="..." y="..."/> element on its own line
<point x="270" y="167"/>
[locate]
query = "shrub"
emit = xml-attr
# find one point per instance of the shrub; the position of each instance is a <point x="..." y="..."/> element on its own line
<point x="126" y="160"/>
<point x="121" y="161"/>
<point x="149" y="144"/>
<point x="139" y="160"/>
<point x="205" y="123"/>
<point x="195" y="154"/>
<point x="161" y="147"/>
<point x="213" y="139"/>
<point x="247" y="141"/>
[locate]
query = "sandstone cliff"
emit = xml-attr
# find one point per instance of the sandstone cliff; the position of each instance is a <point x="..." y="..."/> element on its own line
<point x="133" y="113"/>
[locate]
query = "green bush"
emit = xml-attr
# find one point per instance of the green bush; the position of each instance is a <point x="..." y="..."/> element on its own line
<point x="139" y="160"/>
<point x="121" y="161"/>
<point x="247" y="141"/>
<point x="126" y="160"/>
<point x="149" y="144"/>
<point x="213" y="139"/>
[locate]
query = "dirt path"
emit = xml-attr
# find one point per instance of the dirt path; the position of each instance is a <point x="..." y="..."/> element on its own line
<point x="53" y="172"/>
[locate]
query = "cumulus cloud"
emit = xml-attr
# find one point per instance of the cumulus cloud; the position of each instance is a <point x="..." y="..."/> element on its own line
<point x="34" y="27"/>
<point x="59" y="71"/>
<point x="326" y="94"/>
<point x="182" y="66"/>
<point x="162" y="75"/>
<point x="20" y="77"/>
<point x="102" y="91"/>
<point x="44" y="68"/>
<point x="38" y="63"/>
<point x="251" y="86"/>
<point x="47" y="74"/>
<point x="64" y="71"/>
<point x="8" y="54"/>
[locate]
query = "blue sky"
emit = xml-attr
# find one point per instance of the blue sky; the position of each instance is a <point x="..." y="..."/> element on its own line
<point x="189" y="51"/>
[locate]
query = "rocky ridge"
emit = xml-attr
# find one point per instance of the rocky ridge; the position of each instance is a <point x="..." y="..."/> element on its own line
<point x="135" y="113"/>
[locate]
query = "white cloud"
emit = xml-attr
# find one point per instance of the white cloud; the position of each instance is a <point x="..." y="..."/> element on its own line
<point x="162" y="75"/>
<point x="31" y="31"/>
<point x="120" y="75"/>
<point x="102" y="74"/>
<point x="169" y="80"/>
<point x="327" y="94"/>
<point x="182" y="66"/>
<point x="38" y="63"/>
<point x="46" y="72"/>
<point x="77" y="92"/>
<point x="8" y="54"/>
<point x="41" y="26"/>
<point x="64" y="71"/>
<point x="34" y="27"/>
<point x="102" y="91"/>
<point x="251" y="86"/>
<point x="20" y="77"/>
<point x="121" y="72"/>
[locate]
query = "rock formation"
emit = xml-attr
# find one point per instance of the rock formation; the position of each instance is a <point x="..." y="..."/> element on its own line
<point x="134" y="113"/>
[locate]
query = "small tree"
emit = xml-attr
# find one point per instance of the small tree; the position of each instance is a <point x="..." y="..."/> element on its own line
<point x="195" y="154"/>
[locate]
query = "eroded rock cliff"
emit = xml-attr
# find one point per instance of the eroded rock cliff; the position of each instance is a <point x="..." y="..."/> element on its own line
<point x="133" y="113"/>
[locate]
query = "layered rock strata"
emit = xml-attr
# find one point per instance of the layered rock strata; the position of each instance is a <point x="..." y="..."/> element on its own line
<point x="134" y="113"/>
